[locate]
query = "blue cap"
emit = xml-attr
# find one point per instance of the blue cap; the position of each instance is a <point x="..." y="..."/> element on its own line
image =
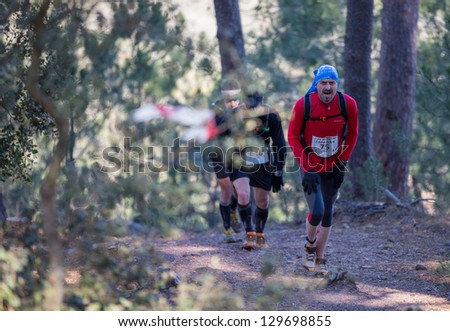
<point x="325" y="71"/>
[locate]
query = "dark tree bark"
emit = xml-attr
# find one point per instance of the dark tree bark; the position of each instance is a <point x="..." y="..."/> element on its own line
<point x="54" y="290"/>
<point x="357" y="83"/>
<point x="231" y="40"/>
<point x="3" y="213"/>
<point x="396" y="92"/>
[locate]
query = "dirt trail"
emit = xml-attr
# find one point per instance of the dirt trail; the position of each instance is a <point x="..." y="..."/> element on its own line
<point x="382" y="258"/>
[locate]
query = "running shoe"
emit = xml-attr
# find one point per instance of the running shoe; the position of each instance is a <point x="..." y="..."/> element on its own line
<point x="261" y="241"/>
<point x="229" y="236"/>
<point x="321" y="267"/>
<point x="235" y="223"/>
<point x="250" y="241"/>
<point x="310" y="258"/>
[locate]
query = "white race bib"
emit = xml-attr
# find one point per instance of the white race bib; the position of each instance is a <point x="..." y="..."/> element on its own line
<point x="325" y="146"/>
<point x="254" y="156"/>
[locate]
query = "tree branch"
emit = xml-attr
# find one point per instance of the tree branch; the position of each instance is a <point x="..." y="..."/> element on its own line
<point x="54" y="290"/>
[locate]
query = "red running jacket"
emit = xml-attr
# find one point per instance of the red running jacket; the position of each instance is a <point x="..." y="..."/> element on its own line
<point x="320" y="133"/>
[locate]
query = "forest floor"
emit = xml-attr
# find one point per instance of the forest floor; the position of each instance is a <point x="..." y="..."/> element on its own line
<point x="380" y="258"/>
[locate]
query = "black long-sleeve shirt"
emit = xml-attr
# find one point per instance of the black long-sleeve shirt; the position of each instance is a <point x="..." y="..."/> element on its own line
<point x="268" y="128"/>
<point x="271" y="131"/>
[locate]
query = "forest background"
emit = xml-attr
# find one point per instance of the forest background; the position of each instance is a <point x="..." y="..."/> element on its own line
<point x="72" y="72"/>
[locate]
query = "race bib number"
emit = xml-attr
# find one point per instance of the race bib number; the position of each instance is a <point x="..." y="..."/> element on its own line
<point x="325" y="146"/>
<point x="253" y="156"/>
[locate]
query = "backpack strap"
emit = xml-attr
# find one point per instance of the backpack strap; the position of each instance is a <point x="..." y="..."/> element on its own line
<point x="344" y="113"/>
<point x="307" y="112"/>
<point x="307" y="117"/>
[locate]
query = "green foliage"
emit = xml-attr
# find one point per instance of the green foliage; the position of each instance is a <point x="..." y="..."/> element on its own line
<point x="443" y="269"/>
<point x="98" y="66"/>
<point x="207" y="294"/>
<point x="311" y="24"/>
<point x="372" y="180"/>
<point x="431" y="141"/>
<point x="10" y="265"/>
<point x="17" y="152"/>
<point x="20" y="117"/>
<point x="110" y="277"/>
<point x="206" y="48"/>
<point x="23" y="265"/>
<point x="94" y="60"/>
<point x="300" y="36"/>
<point x="83" y="66"/>
<point x="272" y="293"/>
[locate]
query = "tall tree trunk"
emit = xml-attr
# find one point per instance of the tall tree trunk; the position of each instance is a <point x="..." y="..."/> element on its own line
<point x="54" y="290"/>
<point x="3" y="213"/>
<point x="231" y="39"/>
<point x="396" y="91"/>
<point x="357" y="69"/>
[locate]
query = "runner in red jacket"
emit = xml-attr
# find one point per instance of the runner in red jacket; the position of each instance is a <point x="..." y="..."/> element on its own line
<point x="322" y="148"/>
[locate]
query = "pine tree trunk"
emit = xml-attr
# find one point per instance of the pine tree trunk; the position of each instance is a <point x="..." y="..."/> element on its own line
<point x="231" y="39"/>
<point x="396" y="92"/>
<point x="357" y="83"/>
<point x="3" y="213"/>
